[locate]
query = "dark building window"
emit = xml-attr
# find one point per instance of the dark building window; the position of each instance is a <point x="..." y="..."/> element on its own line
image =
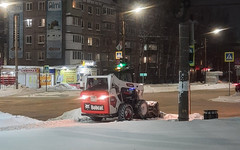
<point x="29" y="6"/>
<point x="41" y="5"/>
<point x="28" y="39"/>
<point x="77" y="55"/>
<point x="89" y="25"/>
<point x="90" y="9"/>
<point x="98" y="27"/>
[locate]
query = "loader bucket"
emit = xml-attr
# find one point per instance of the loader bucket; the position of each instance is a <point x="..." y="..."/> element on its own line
<point x="153" y="109"/>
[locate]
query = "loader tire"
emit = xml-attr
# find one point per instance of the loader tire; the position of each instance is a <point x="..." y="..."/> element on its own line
<point x="96" y="118"/>
<point x="125" y="112"/>
<point x="141" y="109"/>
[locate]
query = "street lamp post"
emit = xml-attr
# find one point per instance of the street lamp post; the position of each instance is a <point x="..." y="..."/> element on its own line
<point x="5" y="5"/>
<point x="136" y="10"/>
<point x="16" y="48"/>
<point x="216" y="31"/>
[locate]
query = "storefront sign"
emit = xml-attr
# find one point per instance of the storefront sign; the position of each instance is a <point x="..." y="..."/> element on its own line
<point x="43" y="79"/>
<point x="29" y="70"/>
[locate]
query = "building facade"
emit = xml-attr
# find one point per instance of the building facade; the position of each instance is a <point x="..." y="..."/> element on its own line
<point x="63" y="32"/>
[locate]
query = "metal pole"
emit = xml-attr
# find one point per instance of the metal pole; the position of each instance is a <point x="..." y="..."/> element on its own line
<point x="229" y="78"/>
<point x="205" y="67"/>
<point x="16" y="49"/>
<point x="191" y="42"/>
<point x="123" y="36"/>
<point x="46" y="81"/>
<point x="183" y="97"/>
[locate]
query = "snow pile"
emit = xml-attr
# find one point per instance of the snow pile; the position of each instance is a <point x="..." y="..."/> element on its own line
<point x="235" y="98"/>
<point x="155" y="88"/>
<point x="75" y="115"/>
<point x="11" y="90"/>
<point x="61" y="87"/>
<point x="8" y="120"/>
<point x="195" y="116"/>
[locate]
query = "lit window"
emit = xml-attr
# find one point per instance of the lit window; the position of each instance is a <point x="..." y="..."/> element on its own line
<point x="29" y="6"/>
<point x="145" y="60"/>
<point x="41" y="5"/>
<point x="41" y="23"/>
<point x="90" y="41"/>
<point x="28" y="39"/>
<point x="41" y="39"/>
<point x="77" y="5"/>
<point x="28" y="22"/>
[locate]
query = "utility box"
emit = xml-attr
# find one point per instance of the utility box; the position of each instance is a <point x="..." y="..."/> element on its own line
<point x="213" y="76"/>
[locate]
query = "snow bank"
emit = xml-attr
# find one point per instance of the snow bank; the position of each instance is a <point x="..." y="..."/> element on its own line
<point x="155" y="88"/>
<point x="75" y="115"/>
<point x="195" y="116"/>
<point x="8" y="120"/>
<point x="235" y="98"/>
<point x="11" y="90"/>
<point x="61" y="87"/>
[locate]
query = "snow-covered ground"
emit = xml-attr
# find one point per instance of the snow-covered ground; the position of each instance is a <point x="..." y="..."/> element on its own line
<point x="65" y="88"/>
<point x="72" y="131"/>
<point x="64" y="133"/>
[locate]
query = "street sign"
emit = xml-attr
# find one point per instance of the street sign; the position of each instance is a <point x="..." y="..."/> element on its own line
<point x="119" y="46"/>
<point x="118" y="54"/>
<point x="229" y="56"/>
<point x="143" y="74"/>
<point x="46" y="69"/>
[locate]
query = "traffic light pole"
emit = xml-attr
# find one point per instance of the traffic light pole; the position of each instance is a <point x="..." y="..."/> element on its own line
<point x="123" y="36"/>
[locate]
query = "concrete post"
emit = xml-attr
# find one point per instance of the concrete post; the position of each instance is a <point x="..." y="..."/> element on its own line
<point x="183" y="97"/>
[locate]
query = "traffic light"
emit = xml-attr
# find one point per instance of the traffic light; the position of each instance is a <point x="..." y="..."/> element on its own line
<point x="191" y="55"/>
<point x="121" y="65"/>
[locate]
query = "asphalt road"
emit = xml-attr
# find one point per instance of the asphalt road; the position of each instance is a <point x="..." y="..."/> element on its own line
<point x="44" y="108"/>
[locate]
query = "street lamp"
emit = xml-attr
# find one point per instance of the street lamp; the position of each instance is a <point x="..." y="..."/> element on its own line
<point x="215" y="31"/>
<point x="136" y="10"/>
<point x="16" y="17"/>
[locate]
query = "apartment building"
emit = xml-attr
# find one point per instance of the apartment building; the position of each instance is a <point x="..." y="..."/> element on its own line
<point x="63" y="32"/>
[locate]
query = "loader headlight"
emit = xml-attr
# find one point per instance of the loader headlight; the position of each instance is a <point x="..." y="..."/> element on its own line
<point x="103" y="97"/>
<point x="83" y="97"/>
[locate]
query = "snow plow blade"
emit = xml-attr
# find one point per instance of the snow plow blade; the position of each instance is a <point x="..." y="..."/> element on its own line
<point x="153" y="109"/>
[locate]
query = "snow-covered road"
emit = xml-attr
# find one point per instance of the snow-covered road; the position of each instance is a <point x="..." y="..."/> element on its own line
<point x="129" y="135"/>
<point x="71" y="131"/>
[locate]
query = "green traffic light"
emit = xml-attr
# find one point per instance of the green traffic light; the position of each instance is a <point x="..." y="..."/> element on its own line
<point x="122" y="65"/>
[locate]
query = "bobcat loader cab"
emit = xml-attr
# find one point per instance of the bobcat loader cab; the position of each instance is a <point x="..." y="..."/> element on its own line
<point x="107" y="97"/>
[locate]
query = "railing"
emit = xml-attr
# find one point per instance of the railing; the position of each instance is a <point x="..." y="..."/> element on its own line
<point x="7" y="80"/>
